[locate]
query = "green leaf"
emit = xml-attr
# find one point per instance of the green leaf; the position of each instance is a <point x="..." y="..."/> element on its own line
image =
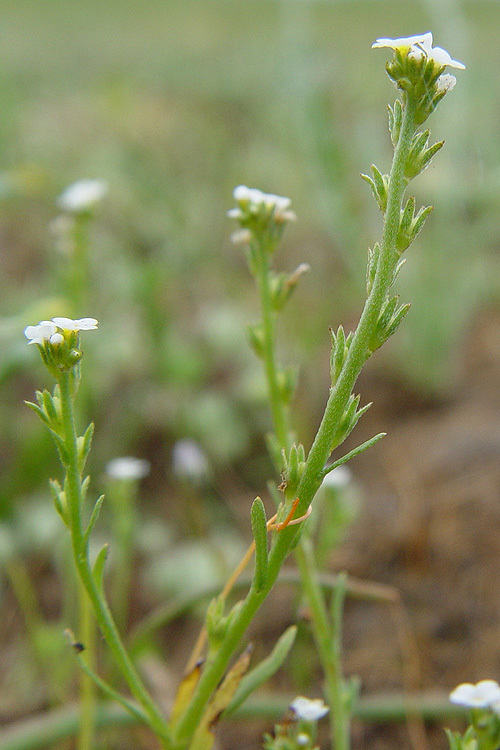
<point x="59" y="498"/>
<point x="38" y="411"/>
<point x="263" y="671"/>
<point x="259" y="530"/>
<point x="84" y="445"/>
<point x="93" y="518"/>
<point x="98" y="568"/>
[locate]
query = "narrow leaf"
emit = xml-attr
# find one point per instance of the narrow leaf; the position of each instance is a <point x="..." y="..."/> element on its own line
<point x="263" y="671"/>
<point x="98" y="568"/>
<point x="93" y="518"/>
<point x="185" y="692"/>
<point x="259" y="530"/>
<point x="353" y="453"/>
<point x="38" y="411"/>
<point x="59" y="498"/>
<point x="203" y="737"/>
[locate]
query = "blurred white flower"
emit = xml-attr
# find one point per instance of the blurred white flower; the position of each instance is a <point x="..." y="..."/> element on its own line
<point x="338" y="478"/>
<point x="41" y="332"/>
<point x="128" y="468"/>
<point x="82" y="196"/>
<point x="419" y="45"/>
<point x="189" y="461"/>
<point x="82" y="324"/>
<point x="485" y="694"/>
<point x="308" y="710"/>
<point x="252" y="200"/>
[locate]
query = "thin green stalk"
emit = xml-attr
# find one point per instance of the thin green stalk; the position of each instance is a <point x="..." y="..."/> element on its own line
<point x="81" y="556"/>
<point x="327" y="641"/>
<point x="87" y="685"/>
<point x="320" y="450"/>
<point x="358" y="350"/>
<point x="278" y="411"/>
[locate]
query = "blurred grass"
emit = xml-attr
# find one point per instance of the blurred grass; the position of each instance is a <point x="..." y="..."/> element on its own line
<point x="174" y="103"/>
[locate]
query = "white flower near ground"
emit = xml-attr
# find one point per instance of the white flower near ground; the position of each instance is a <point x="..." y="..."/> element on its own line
<point x="338" y="478"/>
<point x="82" y="196"/>
<point x="419" y="45"/>
<point x="128" y="468"/>
<point x="308" y="710"/>
<point x="189" y="461"/>
<point x="40" y="333"/>
<point x="485" y="694"/>
<point x="82" y="324"/>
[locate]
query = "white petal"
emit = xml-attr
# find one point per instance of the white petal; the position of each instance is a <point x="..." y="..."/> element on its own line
<point x="309" y="710"/>
<point x="483" y="695"/>
<point x="67" y="324"/>
<point x="86" y="324"/>
<point x="40" y="333"/>
<point x="82" y="195"/>
<point x="441" y="56"/>
<point x="405" y="42"/>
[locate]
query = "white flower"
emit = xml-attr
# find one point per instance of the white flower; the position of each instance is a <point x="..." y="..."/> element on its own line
<point x="128" y="468"/>
<point x="485" y="694"/>
<point x="189" y="461"/>
<point x="83" y="195"/>
<point x="82" y="324"/>
<point x="309" y="710"/>
<point x="404" y="42"/>
<point x="419" y="45"/>
<point x="40" y="333"/>
<point x="253" y="200"/>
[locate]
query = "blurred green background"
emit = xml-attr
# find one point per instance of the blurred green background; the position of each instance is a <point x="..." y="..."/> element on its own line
<point x="173" y="104"/>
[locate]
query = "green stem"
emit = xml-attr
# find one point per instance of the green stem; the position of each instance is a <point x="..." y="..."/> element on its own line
<point x="278" y="411"/>
<point x="87" y="686"/>
<point x="359" y="348"/>
<point x="82" y="561"/>
<point x="327" y="639"/>
<point x="320" y="450"/>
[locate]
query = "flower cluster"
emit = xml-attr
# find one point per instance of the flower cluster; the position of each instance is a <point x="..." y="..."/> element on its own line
<point x="258" y="211"/>
<point x="484" y="694"/>
<point x="418" y="68"/>
<point x="57" y="341"/>
<point x="50" y="330"/>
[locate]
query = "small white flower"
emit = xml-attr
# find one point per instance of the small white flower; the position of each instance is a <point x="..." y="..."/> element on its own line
<point x="40" y="333"/>
<point x="485" y="694"/>
<point x="82" y="324"/>
<point x="254" y="199"/>
<point x="189" y="461"/>
<point x="404" y="42"/>
<point x="56" y="339"/>
<point x="128" y="468"/>
<point x="82" y="196"/>
<point x="445" y="82"/>
<point x="302" y="739"/>
<point x="309" y="710"/>
<point x="420" y="45"/>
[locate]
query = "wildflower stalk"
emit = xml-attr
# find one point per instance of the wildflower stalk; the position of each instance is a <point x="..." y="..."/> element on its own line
<point x="359" y="350"/>
<point x="74" y="498"/>
<point x="263" y="277"/>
